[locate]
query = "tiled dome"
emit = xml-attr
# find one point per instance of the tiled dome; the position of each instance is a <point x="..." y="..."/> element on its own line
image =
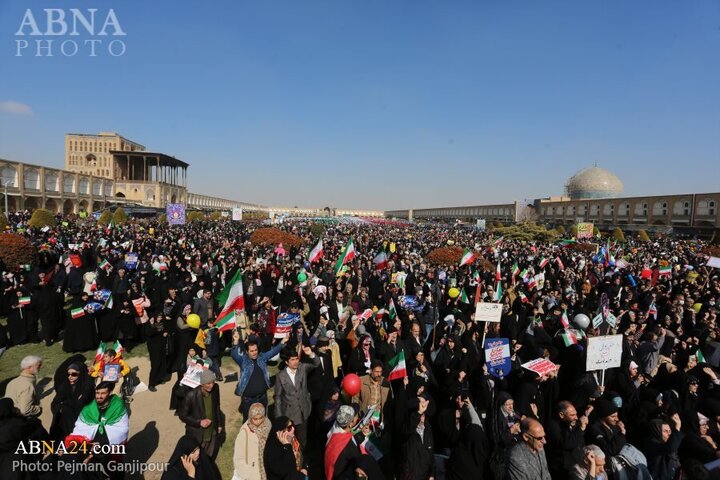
<point x="594" y="182"/>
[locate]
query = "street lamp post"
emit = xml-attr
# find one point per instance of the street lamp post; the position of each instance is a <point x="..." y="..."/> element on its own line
<point x="5" y="185"/>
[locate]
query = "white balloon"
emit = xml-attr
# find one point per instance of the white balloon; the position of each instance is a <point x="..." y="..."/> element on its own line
<point x="581" y="320"/>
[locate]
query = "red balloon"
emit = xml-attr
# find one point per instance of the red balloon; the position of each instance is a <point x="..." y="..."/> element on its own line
<point x="351" y="384"/>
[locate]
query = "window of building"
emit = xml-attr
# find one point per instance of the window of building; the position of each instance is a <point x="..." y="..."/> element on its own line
<point x="660" y="208"/>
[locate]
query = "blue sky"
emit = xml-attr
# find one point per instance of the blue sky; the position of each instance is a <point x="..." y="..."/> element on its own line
<point x="383" y="104"/>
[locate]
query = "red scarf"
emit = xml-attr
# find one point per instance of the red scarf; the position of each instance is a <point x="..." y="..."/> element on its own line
<point x="335" y="446"/>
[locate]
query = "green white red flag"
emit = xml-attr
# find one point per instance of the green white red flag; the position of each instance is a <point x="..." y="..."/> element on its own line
<point x="232" y="299"/>
<point x="397" y="363"/>
<point x="468" y="257"/>
<point x="346" y="256"/>
<point x="392" y="311"/>
<point x="565" y="320"/>
<point x="119" y="350"/>
<point x="317" y="252"/>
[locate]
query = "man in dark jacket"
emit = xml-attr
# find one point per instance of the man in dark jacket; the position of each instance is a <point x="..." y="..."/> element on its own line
<point x="565" y="440"/>
<point x="608" y="432"/>
<point x="201" y="414"/>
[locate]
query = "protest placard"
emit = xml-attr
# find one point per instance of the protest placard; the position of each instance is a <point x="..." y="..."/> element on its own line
<point x="603" y="352"/>
<point x="541" y="366"/>
<point x="284" y="323"/>
<point x="584" y="230"/>
<point x="111" y="372"/>
<point x="497" y="357"/>
<point x="488" y="312"/>
<point x="192" y="374"/>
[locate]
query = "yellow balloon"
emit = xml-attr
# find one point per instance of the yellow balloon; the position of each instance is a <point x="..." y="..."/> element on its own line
<point x="193" y="320"/>
<point x="697" y="307"/>
<point x="453" y="292"/>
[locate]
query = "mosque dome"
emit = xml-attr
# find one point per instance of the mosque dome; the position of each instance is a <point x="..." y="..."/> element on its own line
<point x="593" y="182"/>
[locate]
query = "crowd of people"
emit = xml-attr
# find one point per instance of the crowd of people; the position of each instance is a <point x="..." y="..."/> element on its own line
<point x="426" y="406"/>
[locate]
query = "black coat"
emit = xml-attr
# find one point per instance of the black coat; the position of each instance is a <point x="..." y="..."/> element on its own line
<point x="469" y="458"/>
<point x="280" y="461"/>
<point x="192" y="411"/>
<point x="68" y="402"/>
<point x="564" y="446"/>
<point x="418" y="460"/>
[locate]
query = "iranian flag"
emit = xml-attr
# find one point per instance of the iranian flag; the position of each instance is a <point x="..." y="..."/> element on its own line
<point x="347" y="254"/>
<point x="468" y="257"/>
<point x="700" y="357"/>
<point x="523" y="297"/>
<point x="381" y="260"/>
<point x="569" y="338"/>
<point x="525" y="274"/>
<point x="653" y="310"/>
<point x="476" y="276"/>
<point x="105" y="264"/>
<point x="498" y="274"/>
<point x="543" y="262"/>
<point x="317" y="252"/>
<point x="77" y="312"/>
<point x="227" y="322"/>
<point x="232" y="299"/>
<point x="392" y="311"/>
<point x="113" y="422"/>
<point x="515" y="269"/>
<point x="532" y="283"/>
<point x="665" y="271"/>
<point x="24" y="301"/>
<point x="398" y="366"/>
<point x="559" y="263"/>
<point x="107" y="345"/>
<point x="565" y="320"/>
<point x="373" y="446"/>
<point x="463" y="297"/>
<point x="498" y="291"/>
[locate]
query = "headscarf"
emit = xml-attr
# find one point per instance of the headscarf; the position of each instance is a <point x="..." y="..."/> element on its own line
<point x="262" y="431"/>
<point x="655" y="429"/>
<point x="205" y="468"/>
<point x="499" y="419"/>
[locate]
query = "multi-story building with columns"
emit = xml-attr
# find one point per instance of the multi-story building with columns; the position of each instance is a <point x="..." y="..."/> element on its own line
<point x="92" y="154"/>
<point x="594" y="195"/>
<point x="28" y="187"/>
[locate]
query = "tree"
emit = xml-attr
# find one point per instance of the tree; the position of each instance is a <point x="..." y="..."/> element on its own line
<point x="195" y="217"/>
<point x="560" y="230"/>
<point x="573" y="231"/>
<point x="618" y="234"/>
<point x="3" y="222"/>
<point x="16" y="250"/>
<point x="318" y="229"/>
<point x="162" y="218"/>
<point x="216" y="216"/>
<point x="105" y="217"/>
<point x="119" y="217"/>
<point x="42" y="218"/>
<point x="596" y="231"/>
<point x="643" y="236"/>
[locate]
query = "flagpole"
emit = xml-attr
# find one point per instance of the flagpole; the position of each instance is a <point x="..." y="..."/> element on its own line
<point x="436" y="314"/>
